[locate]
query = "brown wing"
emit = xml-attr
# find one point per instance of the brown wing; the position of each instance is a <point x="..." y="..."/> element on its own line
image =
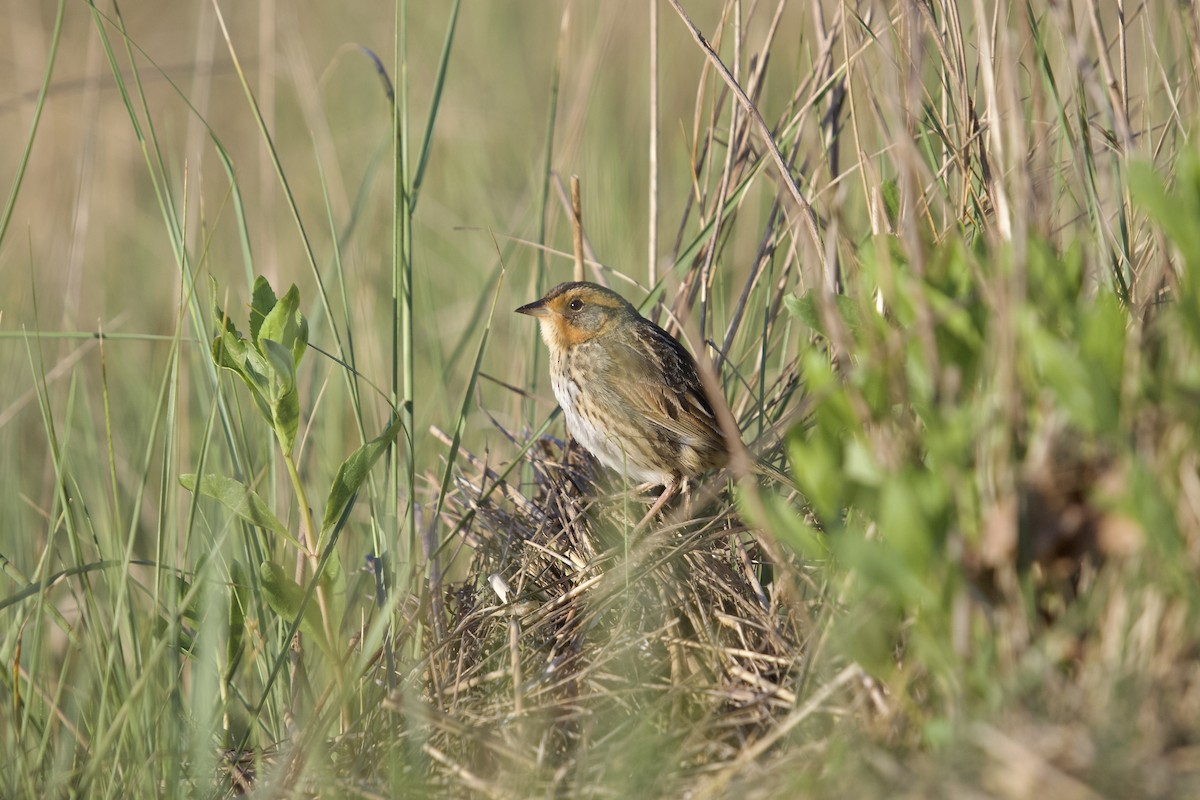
<point x="665" y="387"/>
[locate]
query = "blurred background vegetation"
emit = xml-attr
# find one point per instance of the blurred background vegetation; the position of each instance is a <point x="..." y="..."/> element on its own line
<point x="982" y="374"/>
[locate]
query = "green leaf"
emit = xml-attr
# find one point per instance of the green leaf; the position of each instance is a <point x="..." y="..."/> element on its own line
<point x="279" y="360"/>
<point x="1102" y="336"/>
<point x="283" y="398"/>
<point x="333" y="581"/>
<point x="882" y="569"/>
<point x="806" y="311"/>
<point x="1060" y="370"/>
<point x="286" y="420"/>
<point x="1102" y="344"/>
<point x="286" y="325"/>
<point x="261" y="303"/>
<point x="286" y="598"/>
<point x="230" y="351"/>
<point x="181" y="639"/>
<point x="904" y="521"/>
<point x="1175" y="212"/>
<point x="238" y="498"/>
<point x="817" y="465"/>
<point x="891" y="201"/>
<point x="222" y="320"/>
<point x="803" y="308"/>
<point x="352" y="473"/>
<point x="784" y="522"/>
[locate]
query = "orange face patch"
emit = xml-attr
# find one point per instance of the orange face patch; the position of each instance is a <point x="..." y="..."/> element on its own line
<point x="559" y="323"/>
<point x="558" y="330"/>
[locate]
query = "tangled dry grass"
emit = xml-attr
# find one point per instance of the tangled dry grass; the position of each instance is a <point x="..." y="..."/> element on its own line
<point x="585" y="636"/>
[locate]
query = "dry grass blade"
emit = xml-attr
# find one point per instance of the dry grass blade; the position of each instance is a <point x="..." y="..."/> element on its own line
<point x="785" y="175"/>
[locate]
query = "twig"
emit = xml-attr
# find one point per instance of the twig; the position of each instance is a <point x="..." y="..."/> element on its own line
<point x="577" y="226"/>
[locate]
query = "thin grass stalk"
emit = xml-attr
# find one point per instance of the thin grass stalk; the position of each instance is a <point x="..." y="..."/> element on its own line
<point x="439" y="82"/>
<point x="533" y="370"/>
<point x="198" y="314"/>
<point x="404" y="205"/>
<point x="402" y="295"/>
<point x="38" y="106"/>
<point x="577" y="228"/>
<point x="435" y="586"/>
<point x="269" y="142"/>
<point x="63" y="516"/>
<point x="113" y="730"/>
<point x="156" y="164"/>
<point x="652" y="158"/>
<point x="345" y="352"/>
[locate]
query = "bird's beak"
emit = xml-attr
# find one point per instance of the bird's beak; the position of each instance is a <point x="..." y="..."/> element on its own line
<point x="535" y="309"/>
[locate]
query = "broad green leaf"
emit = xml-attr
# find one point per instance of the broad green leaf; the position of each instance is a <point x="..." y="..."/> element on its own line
<point x="286" y="420"/>
<point x="908" y="517"/>
<point x="224" y="323"/>
<point x="352" y="473"/>
<point x="1059" y="369"/>
<point x="882" y="569"/>
<point x="1102" y="343"/>
<point x="286" y="598"/>
<point x="891" y="201"/>
<point x="238" y="498"/>
<point x="261" y="303"/>
<point x="1176" y="213"/>
<point x="283" y="397"/>
<point x="833" y="410"/>
<point x="1102" y="336"/>
<point x="283" y="370"/>
<point x="817" y="465"/>
<point x="859" y="464"/>
<point x="803" y="308"/>
<point x="230" y="351"/>
<point x="286" y="325"/>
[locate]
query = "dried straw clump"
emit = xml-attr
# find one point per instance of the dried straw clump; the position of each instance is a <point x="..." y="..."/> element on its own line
<point x="569" y="642"/>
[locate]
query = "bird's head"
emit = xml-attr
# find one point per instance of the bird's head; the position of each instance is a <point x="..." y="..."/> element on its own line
<point x="576" y="312"/>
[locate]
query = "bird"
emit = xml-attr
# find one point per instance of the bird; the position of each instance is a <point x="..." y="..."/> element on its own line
<point x="630" y="392"/>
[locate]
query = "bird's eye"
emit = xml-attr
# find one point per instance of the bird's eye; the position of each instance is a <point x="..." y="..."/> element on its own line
<point x="575" y="304"/>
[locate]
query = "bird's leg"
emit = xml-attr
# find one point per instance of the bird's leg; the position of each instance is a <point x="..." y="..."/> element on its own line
<point x="685" y="489"/>
<point x="668" y="492"/>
